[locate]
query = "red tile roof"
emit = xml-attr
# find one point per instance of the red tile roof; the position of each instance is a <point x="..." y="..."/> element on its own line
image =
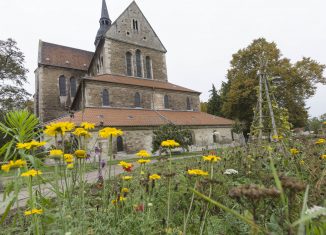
<point x="140" y="82"/>
<point x="62" y="56"/>
<point x="143" y="117"/>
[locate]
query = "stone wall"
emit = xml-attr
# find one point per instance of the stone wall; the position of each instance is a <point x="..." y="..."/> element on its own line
<point x="123" y="96"/>
<point x="205" y="136"/>
<point x="111" y="59"/>
<point x="137" y="138"/>
<point x="177" y="100"/>
<point x="48" y="102"/>
<point x="116" y="62"/>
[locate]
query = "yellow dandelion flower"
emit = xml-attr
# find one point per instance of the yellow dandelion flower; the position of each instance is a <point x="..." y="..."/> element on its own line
<point x="58" y="128"/>
<point x="30" y="145"/>
<point x="170" y="144"/>
<point x="127" y="177"/>
<point x="125" y="190"/>
<point x="143" y="153"/>
<point x="143" y="161"/>
<point x="114" y="201"/>
<point x="323" y="156"/>
<point x="81" y="132"/>
<point x="277" y="137"/>
<point x="31" y="173"/>
<point x="70" y="166"/>
<point x="324" y="122"/>
<point x="5" y="167"/>
<point x="197" y="172"/>
<point x="154" y="177"/>
<point x="125" y="164"/>
<point x="56" y="153"/>
<point x="18" y="163"/>
<point x="294" y="151"/>
<point x="109" y="131"/>
<point x="87" y="125"/>
<point x="320" y="141"/>
<point x="80" y="153"/>
<point x="69" y="158"/>
<point x="33" y="211"/>
<point x="302" y="162"/>
<point x="212" y="158"/>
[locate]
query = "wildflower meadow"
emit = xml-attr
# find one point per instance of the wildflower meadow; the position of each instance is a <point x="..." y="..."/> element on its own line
<point x="274" y="187"/>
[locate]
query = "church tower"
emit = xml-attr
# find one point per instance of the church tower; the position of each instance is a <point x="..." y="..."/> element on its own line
<point x="105" y="23"/>
<point x="128" y="47"/>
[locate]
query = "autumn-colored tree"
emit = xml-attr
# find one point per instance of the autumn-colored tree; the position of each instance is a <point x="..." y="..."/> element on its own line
<point x="291" y="83"/>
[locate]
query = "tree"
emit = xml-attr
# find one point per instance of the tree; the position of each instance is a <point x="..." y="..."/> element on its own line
<point x="12" y="77"/>
<point x="314" y="125"/>
<point x="171" y="132"/>
<point x="203" y="107"/>
<point x="214" y="102"/>
<point x="290" y="83"/>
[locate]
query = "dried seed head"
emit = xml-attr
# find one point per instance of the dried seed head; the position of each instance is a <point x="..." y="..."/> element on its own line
<point x="292" y="184"/>
<point x="252" y="191"/>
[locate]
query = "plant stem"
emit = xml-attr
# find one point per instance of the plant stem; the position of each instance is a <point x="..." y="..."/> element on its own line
<point x="209" y="195"/>
<point x="169" y="192"/>
<point x="189" y="210"/>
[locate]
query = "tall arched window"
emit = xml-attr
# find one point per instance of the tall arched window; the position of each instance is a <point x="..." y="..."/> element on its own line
<point x="148" y="67"/>
<point x="105" y="98"/>
<point x="119" y="144"/>
<point x="188" y="104"/>
<point x="137" y="100"/>
<point x="62" y="86"/>
<point x="139" y="72"/>
<point x="129" y="63"/>
<point x="166" y="102"/>
<point x="73" y="86"/>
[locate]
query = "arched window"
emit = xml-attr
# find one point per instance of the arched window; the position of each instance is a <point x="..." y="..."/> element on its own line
<point x="138" y="64"/>
<point x="119" y="144"/>
<point x="137" y="99"/>
<point x="62" y="86"/>
<point x="148" y="67"/>
<point x="73" y="86"/>
<point x="188" y="104"/>
<point x="105" y="98"/>
<point x="129" y="63"/>
<point x="166" y="102"/>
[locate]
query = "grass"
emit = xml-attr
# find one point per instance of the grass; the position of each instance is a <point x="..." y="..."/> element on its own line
<point x="267" y="196"/>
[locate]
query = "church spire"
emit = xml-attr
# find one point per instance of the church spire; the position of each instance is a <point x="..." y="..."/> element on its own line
<point x="105" y="23"/>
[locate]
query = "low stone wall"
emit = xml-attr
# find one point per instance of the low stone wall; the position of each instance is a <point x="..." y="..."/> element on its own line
<point x="135" y="139"/>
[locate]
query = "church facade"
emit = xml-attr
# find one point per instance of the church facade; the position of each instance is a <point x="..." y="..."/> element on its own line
<point x="122" y="84"/>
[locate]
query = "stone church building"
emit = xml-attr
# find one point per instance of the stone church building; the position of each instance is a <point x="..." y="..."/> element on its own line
<point x="122" y="84"/>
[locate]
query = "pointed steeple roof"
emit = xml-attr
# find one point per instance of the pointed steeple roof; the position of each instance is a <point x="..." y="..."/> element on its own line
<point x="105" y="13"/>
<point x="105" y="23"/>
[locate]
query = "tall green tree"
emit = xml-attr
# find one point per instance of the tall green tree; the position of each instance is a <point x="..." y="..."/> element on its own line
<point x="12" y="77"/>
<point x="291" y="83"/>
<point x="203" y="107"/>
<point x="214" y="102"/>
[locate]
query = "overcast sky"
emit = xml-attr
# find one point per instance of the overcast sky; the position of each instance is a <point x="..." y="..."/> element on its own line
<point x="200" y="36"/>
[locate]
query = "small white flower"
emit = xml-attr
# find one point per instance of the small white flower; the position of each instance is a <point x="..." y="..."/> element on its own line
<point x="230" y="172"/>
<point x="150" y="204"/>
<point x="316" y="209"/>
